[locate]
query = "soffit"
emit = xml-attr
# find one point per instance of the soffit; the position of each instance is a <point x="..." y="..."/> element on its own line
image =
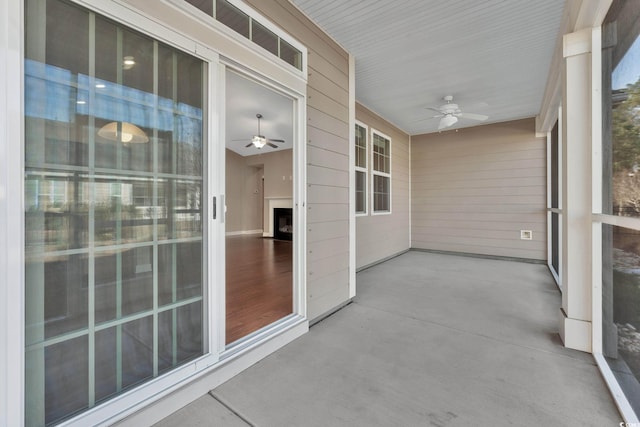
<point x="493" y="56"/>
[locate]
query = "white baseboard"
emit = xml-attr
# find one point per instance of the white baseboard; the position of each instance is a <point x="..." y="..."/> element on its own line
<point x="243" y="232"/>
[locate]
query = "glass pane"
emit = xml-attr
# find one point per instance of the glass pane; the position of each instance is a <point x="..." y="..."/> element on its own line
<point x="381" y="193"/>
<point x="555" y="241"/>
<point x="555" y="181"/>
<point x="621" y="307"/>
<point x="124" y="283"/>
<point x="290" y="54"/>
<point x="113" y="207"/>
<point x="204" y="5"/>
<point x="56" y="211"/>
<point x="180" y="336"/>
<point x="137" y="351"/>
<point x="361" y="147"/>
<point x="66" y="378"/>
<point x="263" y="37"/>
<point x="232" y="17"/>
<point x="381" y="154"/>
<point x="621" y="98"/>
<point x="106" y="364"/>
<point x="189" y="331"/>
<point x="361" y="182"/>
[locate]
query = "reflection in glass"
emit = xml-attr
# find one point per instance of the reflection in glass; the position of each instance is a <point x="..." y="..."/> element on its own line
<point x="621" y="308"/>
<point x="381" y="193"/>
<point x="361" y="189"/>
<point x="106" y="207"/>
<point x="180" y="335"/>
<point x="243" y="24"/>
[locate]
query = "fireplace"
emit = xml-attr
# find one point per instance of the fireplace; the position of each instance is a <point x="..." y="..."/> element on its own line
<point x="283" y="223"/>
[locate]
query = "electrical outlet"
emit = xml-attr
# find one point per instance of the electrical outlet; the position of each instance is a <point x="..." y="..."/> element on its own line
<point x="526" y="235"/>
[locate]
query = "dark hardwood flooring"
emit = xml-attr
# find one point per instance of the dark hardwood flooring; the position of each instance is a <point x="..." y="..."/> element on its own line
<point x="259" y="288"/>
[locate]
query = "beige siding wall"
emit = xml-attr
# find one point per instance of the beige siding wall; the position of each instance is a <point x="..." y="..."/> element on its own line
<point x="327" y="158"/>
<point x="475" y="189"/>
<point x="381" y="236"/>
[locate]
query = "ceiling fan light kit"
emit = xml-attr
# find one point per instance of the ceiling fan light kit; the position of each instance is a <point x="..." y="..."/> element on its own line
<point x="449" y="113"/>
<point x="259" y="140"/>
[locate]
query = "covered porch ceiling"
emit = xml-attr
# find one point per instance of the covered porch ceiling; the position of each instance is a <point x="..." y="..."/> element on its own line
<point x="492" y="56"/>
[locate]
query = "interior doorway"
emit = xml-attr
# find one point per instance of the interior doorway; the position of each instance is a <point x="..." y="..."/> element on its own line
<point x="259" y="180"/>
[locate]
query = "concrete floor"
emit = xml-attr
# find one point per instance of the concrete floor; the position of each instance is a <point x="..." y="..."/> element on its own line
<point x="430" y="340"/>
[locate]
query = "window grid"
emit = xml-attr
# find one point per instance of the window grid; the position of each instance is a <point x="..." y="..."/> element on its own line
<point x="381" y="173"/>
<point x="361" y="169"/>
<point x="230" y="15"/>
<point x="93" y="300"/>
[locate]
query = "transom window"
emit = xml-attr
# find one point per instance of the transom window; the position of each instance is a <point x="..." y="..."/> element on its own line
<point x="381" y="172"/>
<point x="242" y="23"/>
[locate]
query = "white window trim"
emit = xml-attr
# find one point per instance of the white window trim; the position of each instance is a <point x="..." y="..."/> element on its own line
<point x="365" y="170"/>
<point x="378" y="173"/>
<point x="557" y="275"/>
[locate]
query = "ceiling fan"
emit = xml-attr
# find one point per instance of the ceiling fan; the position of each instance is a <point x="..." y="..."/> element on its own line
<point x="449" y="113"/>
<point x="260" y="140"/>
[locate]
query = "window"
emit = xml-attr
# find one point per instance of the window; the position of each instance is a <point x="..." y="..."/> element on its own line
<point x="114" y="242"/>
<point x="233" y="17"/>
<point x="381" y="172"/>
<point x="361" y="169"/>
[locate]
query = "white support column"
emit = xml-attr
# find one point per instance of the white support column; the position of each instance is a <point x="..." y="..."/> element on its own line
<point x="575" y="315"/>
<point x="352" y="177"/>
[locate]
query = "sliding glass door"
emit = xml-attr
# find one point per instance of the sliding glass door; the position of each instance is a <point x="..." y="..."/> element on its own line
<point x="115" y="131"/>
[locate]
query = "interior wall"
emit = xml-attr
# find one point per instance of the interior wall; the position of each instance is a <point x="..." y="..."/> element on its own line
<point x="245" y="199"/>
<point x="381" y="236"/>
<point x="234" y="194"/>
<point x="327" y="157"/>
<point x="277" y="169"/>
<point x="474" y="190"/>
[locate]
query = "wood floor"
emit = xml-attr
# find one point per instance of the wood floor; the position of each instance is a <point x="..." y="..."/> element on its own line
<point x="259" y="288"/>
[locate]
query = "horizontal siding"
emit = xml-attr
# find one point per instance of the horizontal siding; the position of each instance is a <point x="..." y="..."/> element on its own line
<point x="327" y="157"/>
<point x="380" y="236"/>
<point x="475" y="189"/>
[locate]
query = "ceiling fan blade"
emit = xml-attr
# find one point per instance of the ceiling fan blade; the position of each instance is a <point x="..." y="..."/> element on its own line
<point x="437" y="116"/>
<point x="248" y="145"/>
<point x="480" y="117"/>
<point x="272" y="145"/>
<point x="276" y="140"/>
<point x="433" y="109"/>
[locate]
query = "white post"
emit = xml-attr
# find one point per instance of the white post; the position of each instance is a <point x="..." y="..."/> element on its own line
<point x="575" y="315"/>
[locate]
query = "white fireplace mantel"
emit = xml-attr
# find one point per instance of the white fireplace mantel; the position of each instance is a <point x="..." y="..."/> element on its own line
<point x="272" y="203"/>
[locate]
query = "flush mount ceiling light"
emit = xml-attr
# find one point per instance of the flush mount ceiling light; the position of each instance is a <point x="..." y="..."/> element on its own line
<point x="128" y="62"/>
<point x="123" y="132"/>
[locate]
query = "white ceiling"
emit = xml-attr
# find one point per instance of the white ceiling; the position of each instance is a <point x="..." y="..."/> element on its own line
<point x="493" y="56"/>
<point x="244" y="99"/>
